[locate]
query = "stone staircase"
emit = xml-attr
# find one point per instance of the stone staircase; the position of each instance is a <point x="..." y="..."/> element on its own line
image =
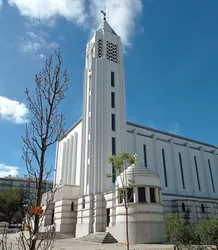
<point x="99" y="237"/>
<point x="60" y="236"/>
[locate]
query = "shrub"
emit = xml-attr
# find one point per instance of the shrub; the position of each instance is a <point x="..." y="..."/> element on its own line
<point x="179" y="231"/>
<point x="207" y="231"/>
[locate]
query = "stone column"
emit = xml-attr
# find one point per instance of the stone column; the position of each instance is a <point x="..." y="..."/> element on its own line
<point x="155" y="153"/>
<point x="70" y="152"/>
<point x="66" y="154"/>
<point x="206" y="180"/>
<point x="99" y="224"/>
<point x="160" y="196"/>
<point x="147" y="192"/>
<point x="190" y="172"/>
<point x="113" y="211"/>
<point x="157" y="199"/>
<point x="135" y="141"/>
<point x="135" y="194"/>
<point x="174" y="165"/>
<point x="56" y="163"/>
<point x="63" y="162"/>
<point x="214" y="171"/>
<point x="74" y="159"/>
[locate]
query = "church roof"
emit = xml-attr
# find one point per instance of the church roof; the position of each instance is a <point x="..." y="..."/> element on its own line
<point x="140" y="175"/>
<point x="149" y="129"/>
<point x="105" y="26"/>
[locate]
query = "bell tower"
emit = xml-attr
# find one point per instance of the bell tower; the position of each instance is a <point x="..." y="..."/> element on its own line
<point x="104" y="110"/>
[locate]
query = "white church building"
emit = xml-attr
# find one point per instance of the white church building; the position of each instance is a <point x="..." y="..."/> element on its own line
<point x="172" y="174"/>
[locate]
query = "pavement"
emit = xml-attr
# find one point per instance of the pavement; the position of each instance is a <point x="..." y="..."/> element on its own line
<point x="74" y="244"/>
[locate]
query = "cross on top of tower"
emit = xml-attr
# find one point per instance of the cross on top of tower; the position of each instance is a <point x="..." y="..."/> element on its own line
<point x="104" y="14"/>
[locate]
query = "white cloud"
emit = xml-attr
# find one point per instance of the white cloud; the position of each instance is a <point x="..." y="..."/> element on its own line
<point x="13" y="111"/>
<point x="1" y="3"/>
<point x="47" y="10"/>
<point x="174" y="128"/>
<point x="37" y="44"/>
<point x="8" y="170"/>
<point x="121" y="16"/>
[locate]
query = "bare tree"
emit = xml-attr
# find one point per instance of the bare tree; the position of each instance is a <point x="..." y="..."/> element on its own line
<point x="125" y="185"/>
<point x="44" y="128"/>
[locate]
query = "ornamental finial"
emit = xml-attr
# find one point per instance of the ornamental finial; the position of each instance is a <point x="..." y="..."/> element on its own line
<point x="136" y="157"/>
<point x="104" y="14"/>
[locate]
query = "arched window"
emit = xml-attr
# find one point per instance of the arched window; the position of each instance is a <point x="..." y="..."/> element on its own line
<point x="72" y="206"/>
<point x="202" y="208"/>
<point x="183" y="207"/>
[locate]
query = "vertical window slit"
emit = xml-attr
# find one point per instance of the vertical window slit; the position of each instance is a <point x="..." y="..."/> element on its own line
<point x="181" y="169"/>
<point x="112" y="100"/>
<point x="164" y="167"/>
<point x="211" y="175"/>
<point x="112" y="79"/>
<point x="113" y="122"/>
<point x="197" y="174"/>
<point x="113" y="153"/>
<point x="145" y="156"/>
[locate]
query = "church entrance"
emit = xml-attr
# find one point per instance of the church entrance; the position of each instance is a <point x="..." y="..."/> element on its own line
<point x="108" y="216"/>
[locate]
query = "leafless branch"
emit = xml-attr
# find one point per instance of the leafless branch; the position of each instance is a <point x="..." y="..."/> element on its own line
<point x="44" y="128"/>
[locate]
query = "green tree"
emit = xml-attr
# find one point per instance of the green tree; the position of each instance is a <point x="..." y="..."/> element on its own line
<point x="11" y="205"/>
<point x="120" y="163"/>
<point x="180" y="231"/>
<point x="207" y="231"/>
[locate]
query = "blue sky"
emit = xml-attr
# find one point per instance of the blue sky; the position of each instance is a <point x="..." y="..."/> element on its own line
<point x="171" y="66"/>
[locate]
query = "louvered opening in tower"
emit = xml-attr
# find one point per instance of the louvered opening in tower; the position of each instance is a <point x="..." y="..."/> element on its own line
<point x="112" y="52"/>
<point x="100" y="48"/>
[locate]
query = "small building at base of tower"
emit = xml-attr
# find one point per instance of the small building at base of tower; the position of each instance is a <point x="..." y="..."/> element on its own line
<point x="106" y="212"/>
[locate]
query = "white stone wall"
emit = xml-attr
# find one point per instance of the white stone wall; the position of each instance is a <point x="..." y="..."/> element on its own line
<point x="155" y="141"/>
<point x="65" y="213"/>
<point x="68" y="157"/>
<point x="97" y="131"/>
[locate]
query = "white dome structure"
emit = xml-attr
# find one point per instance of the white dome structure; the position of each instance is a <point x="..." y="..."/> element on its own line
<point x="145" y="211"/>
<point x="140" y="175"/>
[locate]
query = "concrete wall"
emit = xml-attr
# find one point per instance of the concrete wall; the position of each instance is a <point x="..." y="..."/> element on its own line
<point x="97" y="113"/>
<point x="65" y="214"/>
<point x="68" y="157"/>
<point x="173" y="145"/>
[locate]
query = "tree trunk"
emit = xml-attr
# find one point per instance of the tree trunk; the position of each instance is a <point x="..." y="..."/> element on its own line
<point x="127" y="229"/>
<point x="38" y="199"/>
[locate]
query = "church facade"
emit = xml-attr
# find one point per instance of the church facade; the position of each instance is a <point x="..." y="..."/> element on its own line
<point x="172" y="173"/>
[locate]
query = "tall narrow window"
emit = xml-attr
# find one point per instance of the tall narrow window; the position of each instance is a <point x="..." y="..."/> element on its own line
<point x="113" y="146"/>
<point x="113" y="153"/>
<point x="113" y="122"/>
<point x="112" y="79"/>
<point x="113" y="174"/>
<point x="211" y="175"/>
<point x="152" y="195"/>
<point x="72" y="206"/>
<point x="141" y="194"/>
<point x="130" y="195"/>
<point x="164" y="167"/>
<point x="183" y="207"/>
<point x="202" y="208"/>
<point x="112" y="100"/>
<point x="181" y="169"/>
<point x="197" y="174"/>
<point x="84" y="204"/>
<point x="145" y="155"/>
